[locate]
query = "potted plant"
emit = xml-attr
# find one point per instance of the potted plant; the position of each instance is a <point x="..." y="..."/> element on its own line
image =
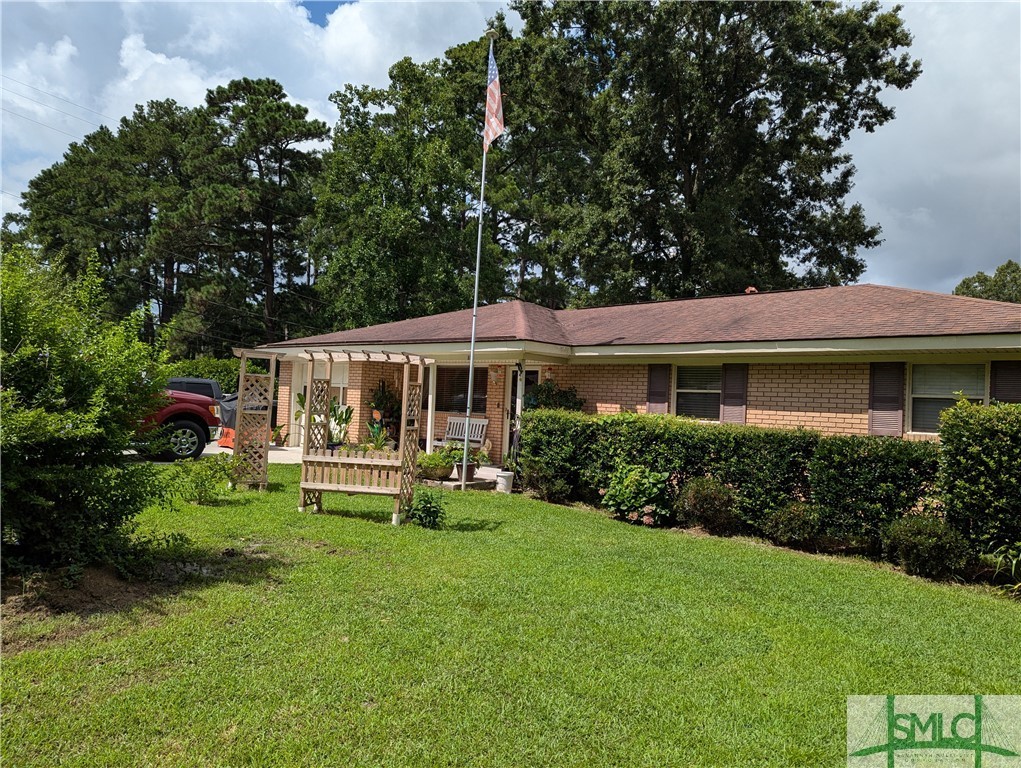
<point x="435" y="466"/>
<point x="299" y="411"/>
<point x="340" y="423"/>
<point x="387" y="404"/>
<point x="379" y="438"/>
<point x="277" y="438"/>
<point x="476" y="456"/>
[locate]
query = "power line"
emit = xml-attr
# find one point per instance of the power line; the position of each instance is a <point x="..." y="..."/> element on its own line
<point x="42" y="104"/>
<point x="59" y="98"/>
<point x="255" y="281"/>
<point x="44" y="125"/>
<point x="233" y="342"/>
<point x="179" y="257"/>
<point x="250" y="312"/>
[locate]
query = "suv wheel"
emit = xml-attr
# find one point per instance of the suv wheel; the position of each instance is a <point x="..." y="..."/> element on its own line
<point x="187" y="440"/>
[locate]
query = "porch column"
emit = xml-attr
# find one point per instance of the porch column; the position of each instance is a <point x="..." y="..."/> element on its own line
<point x="519" y="403"/>
<point x="431" y="410"/>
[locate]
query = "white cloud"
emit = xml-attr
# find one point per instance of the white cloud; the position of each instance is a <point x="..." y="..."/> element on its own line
<point x="147" y="76"/>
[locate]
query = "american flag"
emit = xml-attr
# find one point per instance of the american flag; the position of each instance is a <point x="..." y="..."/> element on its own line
<point x="494" y="106"/>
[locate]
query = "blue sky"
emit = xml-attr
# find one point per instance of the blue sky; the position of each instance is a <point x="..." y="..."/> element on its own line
<point x="320" y="10"/>
<point x="943" y="179"/>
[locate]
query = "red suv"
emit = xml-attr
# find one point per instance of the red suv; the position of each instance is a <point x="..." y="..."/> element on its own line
<point x="189" y="421"/>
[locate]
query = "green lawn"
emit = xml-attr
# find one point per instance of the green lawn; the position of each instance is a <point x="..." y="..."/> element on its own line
<point x="525" y="634"/>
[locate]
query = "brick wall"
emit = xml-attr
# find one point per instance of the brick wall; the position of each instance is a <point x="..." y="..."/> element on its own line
<point x="495" y="407"/>
<point x="832" y="398"/>
<point x="829" y="397"/>
<point x="604" y="388"/>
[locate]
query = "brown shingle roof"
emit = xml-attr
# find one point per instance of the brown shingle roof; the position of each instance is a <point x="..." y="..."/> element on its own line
<point x="844" y="312"/>
<point x="511" y="321"/>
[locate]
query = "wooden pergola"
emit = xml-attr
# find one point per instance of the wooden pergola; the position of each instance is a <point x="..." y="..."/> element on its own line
<point x="254" y="417"/>
<point x="348" y="469"/>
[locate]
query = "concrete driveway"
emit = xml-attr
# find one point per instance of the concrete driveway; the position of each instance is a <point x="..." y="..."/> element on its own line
<point x="277" y="454"/>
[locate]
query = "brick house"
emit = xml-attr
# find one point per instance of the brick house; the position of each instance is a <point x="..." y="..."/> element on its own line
<point x="859" y="359"/>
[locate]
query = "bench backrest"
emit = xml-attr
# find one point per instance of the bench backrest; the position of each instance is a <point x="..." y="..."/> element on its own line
<point x="455" y="430"/>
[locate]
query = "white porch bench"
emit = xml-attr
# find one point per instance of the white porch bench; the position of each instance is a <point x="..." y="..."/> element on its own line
<point x="455" y="432"/>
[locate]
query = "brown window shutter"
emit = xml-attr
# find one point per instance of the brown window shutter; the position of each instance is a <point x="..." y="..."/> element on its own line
<point x="1005" y="381"/>
<point x="659" y="389"/>
<point x="734" y="397"/>
<point x="886" y="399"/>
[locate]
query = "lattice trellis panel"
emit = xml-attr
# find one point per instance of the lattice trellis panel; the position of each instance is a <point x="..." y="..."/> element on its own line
<point x="409" y="447"/>
<point x="252" y="429"/>
<point x="318" y="404"/>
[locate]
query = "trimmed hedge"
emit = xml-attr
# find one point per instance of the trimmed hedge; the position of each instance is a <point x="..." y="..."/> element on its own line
<point x="797" y="525"/>
<point x="865" y="483"/>
<point x="980" y="472"/>
<point x="859" y="484"/>
<point x="550" y="447"/>
<point x="926" y="546"/>
<point x="767" y="467"/>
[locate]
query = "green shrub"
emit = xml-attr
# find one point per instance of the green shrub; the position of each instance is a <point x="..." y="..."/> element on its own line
<point x="797" y="525"/>
<point x="766" y="468"/>
<point x="75" y="388"/>
<point x="639" y="495"/>
<point x="550" y="452"/>
<point x="980" y="470"/>
<point x="203" y="481"/>
<point x="864" y="483"/>
<point x="661" y="443"/>
<point x="224" y="372"/>
<point x="427" y="509"/>
<point x="711" y="504"/>
<point x="926" y="546"/>
<point x="1007" y="568"/>
<point x="549" y="395"/>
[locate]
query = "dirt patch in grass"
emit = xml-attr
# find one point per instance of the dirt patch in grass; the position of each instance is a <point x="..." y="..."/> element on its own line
<point x="54" y="607"/>
<point x="329" y="549"/>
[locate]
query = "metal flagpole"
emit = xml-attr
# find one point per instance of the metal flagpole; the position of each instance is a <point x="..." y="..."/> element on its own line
<point x="491" y="34"/>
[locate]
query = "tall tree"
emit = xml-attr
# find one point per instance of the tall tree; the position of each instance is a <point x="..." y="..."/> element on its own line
<point x="535" y="169"/>
<point x="395" y="210"/>
<point x="713" y="137"/>
<point x="249" y="155"/>
<point x="108" y="198"/>
<point x="1003" y="285"/>
<point x="195" y="216"/>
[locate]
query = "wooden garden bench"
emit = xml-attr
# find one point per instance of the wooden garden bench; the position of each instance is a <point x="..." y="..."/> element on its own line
<point x="455" y="432"/>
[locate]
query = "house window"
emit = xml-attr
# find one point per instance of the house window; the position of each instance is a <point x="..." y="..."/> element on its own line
<point x="934" y="388"/>
<point x="452" y="390"/>
<point x="698" y="391"/>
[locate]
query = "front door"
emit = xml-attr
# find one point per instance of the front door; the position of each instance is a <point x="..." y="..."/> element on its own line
<point x="520" y="385"/>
